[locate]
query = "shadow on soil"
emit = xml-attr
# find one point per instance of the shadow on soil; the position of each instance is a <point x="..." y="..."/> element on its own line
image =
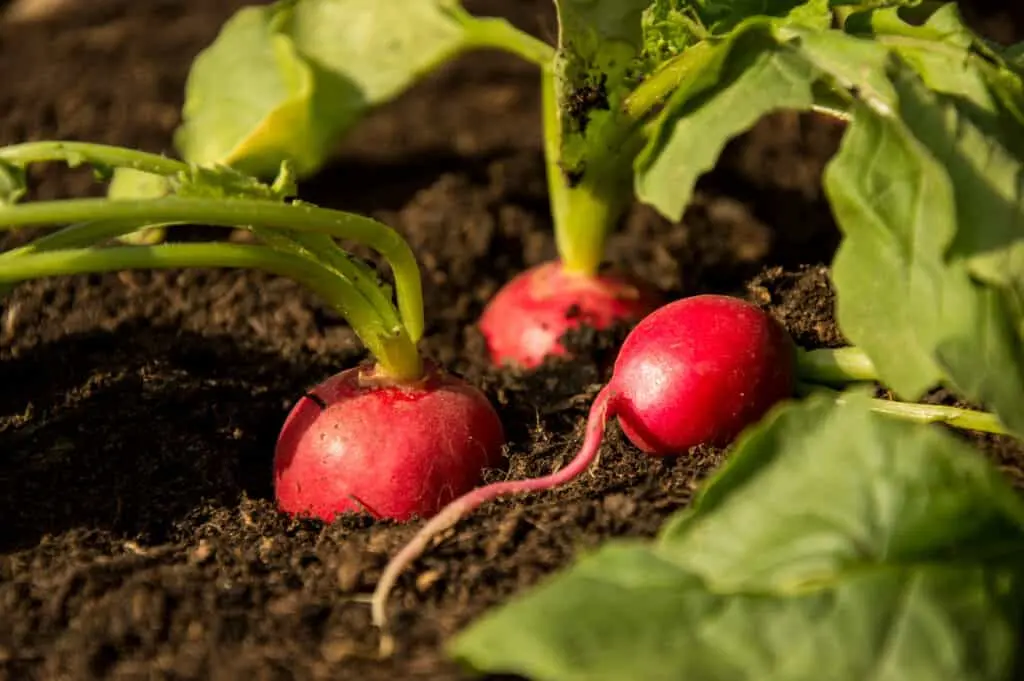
<point x="195" y="415"/>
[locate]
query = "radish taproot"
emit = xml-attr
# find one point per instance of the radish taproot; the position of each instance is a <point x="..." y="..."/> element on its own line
<point x="359" y="443"/>
<point x="525" y="321"/>
<point x="695" y="371"/>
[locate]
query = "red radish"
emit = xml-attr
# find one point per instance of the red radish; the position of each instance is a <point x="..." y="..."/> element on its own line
<point x="696" y="371"/>
<point x="357" y="443"/>
<point x="525" y="321"/>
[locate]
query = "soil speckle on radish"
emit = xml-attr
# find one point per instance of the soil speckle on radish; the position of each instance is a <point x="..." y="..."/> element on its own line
<point x="138" y="412"/>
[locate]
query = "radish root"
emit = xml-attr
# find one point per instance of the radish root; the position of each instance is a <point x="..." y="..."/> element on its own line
<point x="450" y="515"/>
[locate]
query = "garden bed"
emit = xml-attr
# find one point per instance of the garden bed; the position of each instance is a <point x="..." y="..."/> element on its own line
<point x="138" y="412"/>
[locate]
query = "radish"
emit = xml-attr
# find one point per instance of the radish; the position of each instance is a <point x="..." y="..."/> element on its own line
<point x="525" y="322"/>
<point x="698" y="371"/>
<point x="695" y="371"/>
<point x="357" y="443"/>
<point x="396" y="437"/>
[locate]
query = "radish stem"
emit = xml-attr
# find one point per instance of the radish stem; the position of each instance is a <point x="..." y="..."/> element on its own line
<point x="78" y="235"/>
<point x="232" y="213"/>
<point x="77" y="153"/>
<point x="393" y="348"/>
<point x="956" y="417"/>
<point x="585" y="209"/>
<point x="835" y="365"/>
<point x="318" y="247"/>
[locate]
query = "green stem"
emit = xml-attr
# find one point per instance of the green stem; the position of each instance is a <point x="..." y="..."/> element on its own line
<point x="320" y="248"/>
<point x="73" y="236"/>
<point x="589" y="211"/>
<point x="965" y="419"/>
<point x="835" y="365"/>
<point x="254" y="212"/>
<point x="394" y="350"/>
<point x="558" y="188"/>
<point x="78" y="235"/>
<point x="497" y="33"/>
<point x="648" y="95"/>
<point x="76" y="153"/>
<point x="583" y="213"/>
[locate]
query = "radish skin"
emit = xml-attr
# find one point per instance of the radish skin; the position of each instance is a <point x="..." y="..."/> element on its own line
<point x="696" y="371"/>
<point x="358" y="443"/>
<point x="700" y="370"/>
<point x="524" y="322"/>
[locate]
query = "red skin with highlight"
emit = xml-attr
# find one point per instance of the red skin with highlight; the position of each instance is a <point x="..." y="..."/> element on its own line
<point x="524" y="323"/>
<point x="698" y="371"/>
<point x="394" y="451"/>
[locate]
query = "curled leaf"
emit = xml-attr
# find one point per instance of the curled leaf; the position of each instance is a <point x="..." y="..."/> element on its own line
<point x="284" y="82"/>
<point x="252" y="100"/>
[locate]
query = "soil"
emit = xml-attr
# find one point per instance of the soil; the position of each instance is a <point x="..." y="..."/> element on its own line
<point x="138" y="412"/>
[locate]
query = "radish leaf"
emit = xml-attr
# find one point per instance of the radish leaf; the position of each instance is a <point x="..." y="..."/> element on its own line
<point x="673" y="25"/>
<point x="252" y="100"/>
<point x="599" y="43"/>
<point x="953" y="60"/>
<point x="733" y="84"/>
<point x="933" y="218"/>
<point x="890" y="550"/>
<point x="375" y="49"/>
<point x="904" y="495"/>
<point x="284" y="82"/>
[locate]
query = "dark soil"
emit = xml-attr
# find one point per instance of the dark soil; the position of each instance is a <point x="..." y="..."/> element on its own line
<point x="138" y="412"/>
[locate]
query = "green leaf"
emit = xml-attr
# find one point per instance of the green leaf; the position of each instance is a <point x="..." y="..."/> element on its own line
<point x="253" y="101"/>
<point x="375" y="49"/>
<point x="929" y="275"/>
<point x="285" y="82"/>
<point x="599" y="42"/>
<point x="12" y="183"/>
<point x="834" y="539"/>
<point x="224" y="182"/>
<point x="672" y="26"/>
<point x="741" y="80"/>
<point x="884" y="493"/>
<point x="951" y="59"/>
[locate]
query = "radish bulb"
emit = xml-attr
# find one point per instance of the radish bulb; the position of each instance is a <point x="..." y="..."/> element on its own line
<point x="359" y="442"/>
<point x="524" y="323"/>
